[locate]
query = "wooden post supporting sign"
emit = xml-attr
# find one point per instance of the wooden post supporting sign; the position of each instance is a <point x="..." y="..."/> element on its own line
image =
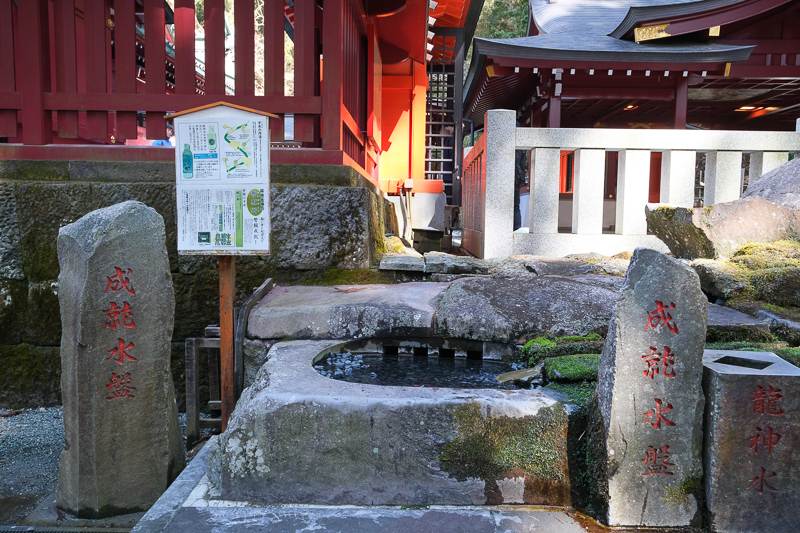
<point x="222" y="188"/>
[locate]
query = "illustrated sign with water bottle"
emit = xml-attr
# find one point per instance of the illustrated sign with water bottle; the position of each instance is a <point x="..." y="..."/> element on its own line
<point x="222" y="179"/>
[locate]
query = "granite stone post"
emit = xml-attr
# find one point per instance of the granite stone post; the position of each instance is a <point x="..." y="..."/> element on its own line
<point x="650" y="395"/>
<point x="498" y="209"/>
<point x="752" y="428"/>
<point x="123" y="443"/>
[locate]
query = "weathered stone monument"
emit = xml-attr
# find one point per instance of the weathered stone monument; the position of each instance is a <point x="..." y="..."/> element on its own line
<point x="650" y="394"/>
<point x="752" y="426"/>
<point x="123" y="444"/>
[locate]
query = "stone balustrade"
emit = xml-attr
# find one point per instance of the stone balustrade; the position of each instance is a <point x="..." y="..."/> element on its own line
<point x="489" y="182"/>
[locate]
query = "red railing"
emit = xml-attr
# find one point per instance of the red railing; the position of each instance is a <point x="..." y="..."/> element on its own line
<point x="473" y="195"/>
<point x="84" y="72"/>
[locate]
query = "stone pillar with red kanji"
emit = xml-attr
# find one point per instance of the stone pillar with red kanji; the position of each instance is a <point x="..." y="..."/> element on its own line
<point x="752" y="437"/>
<point x="650" y="395"/>
<point x="123" y="443"/>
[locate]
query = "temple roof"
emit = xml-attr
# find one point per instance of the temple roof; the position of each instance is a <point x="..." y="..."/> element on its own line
<point x="679" y="38"/>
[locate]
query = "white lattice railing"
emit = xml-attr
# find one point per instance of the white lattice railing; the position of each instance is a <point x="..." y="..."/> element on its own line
<point x="488" y="188"/>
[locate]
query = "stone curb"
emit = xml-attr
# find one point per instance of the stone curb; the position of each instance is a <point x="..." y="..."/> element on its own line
<point x="161" y="513"/>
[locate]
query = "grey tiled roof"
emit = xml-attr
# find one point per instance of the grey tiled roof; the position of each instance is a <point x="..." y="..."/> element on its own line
<point x="592" y="47"/>
<point x="596" y="17"/>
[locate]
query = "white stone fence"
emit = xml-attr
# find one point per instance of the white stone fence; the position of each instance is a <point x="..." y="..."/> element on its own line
<point x="488" y="182"/>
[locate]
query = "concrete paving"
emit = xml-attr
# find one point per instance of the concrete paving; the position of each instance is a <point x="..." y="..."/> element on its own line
<point x="190" y="506"/>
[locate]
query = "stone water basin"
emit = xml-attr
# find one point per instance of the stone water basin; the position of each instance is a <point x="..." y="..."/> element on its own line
<point x="299" y="437"/>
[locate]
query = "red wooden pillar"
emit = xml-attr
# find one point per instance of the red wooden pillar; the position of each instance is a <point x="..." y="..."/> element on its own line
<point x="333" y="61"/>
<point x="155" y="64"/>
<point x="34" y="53"/>
<point x="184" y="47"/>
<point x="244" y="44"/>
<point x="214" y="22"/>
<point x="679" y="103"/>
<point x="8" y="117"/>
<point x="554" y="112"/>
<point x="66" y="63"/>
<point x="96" y="66"/>
<point x="125" y="68"/>
<point x="273" y="58"/>
<point x="305" y="57"/>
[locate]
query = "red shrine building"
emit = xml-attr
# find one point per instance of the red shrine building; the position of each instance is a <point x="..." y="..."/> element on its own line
<point x="376" y="82"/>
<point x="711" y="64"/>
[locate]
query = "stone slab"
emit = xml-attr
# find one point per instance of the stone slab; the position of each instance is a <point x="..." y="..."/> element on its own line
<point x="650" y="394"/>
<point x="367" y="444"/>
<point x="779" y="185"/>
<point x="346" y="311"/>
<point x="442" y="263"/>
<point x="123" y="444"/>
<point x="411" y="262"/>
<point x="725" y="319"/>
<point x="752" y="433"/>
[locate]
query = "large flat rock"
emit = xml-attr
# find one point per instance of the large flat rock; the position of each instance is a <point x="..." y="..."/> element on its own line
<point x="346" y="311"/>
<point x="717" y="231"/>
<point x="508" y="309"/>
<point x="504" y="310"/>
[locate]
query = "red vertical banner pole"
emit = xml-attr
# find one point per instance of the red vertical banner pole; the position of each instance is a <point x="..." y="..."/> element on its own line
<point x="227" y="293"/>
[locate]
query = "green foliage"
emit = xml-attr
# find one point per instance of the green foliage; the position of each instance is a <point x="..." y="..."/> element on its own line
<point x="503" y="19"/>
<point x="578" y="367"/>
<point x="486" y="448"/>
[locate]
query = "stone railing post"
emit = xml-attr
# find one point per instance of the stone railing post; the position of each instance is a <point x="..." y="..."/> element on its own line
<point x="723" y="177"/>
<point x="587" y="189"/>
<point x="677" y="177"/>
<point x="543" y="200"/>
<point x="763" y="162"/>
<point x="633" y="187"/>
<point x="498" y="212"/>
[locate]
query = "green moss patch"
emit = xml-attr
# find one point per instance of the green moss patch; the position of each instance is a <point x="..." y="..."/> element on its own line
<point x="579" y="394"/>
<point x="580" y="367"/>
<point x="775" y="250"/>
<point x="539" y="348"/>
<point x="486" y="448"/>
<point x="738" y="334"/>
<point x="679" y="495"/>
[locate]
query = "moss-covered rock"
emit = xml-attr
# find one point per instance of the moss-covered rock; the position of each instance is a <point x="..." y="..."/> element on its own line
<point x="42" y="321"/>
<point x="13" y="308"/>
<point x="42" y="208"/>
<point x="30" y="376"/>
<point x="539" y="348"/>
<point x="578" y="367"/>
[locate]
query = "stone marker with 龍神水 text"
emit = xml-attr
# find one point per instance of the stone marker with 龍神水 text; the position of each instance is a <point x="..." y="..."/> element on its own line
<point x="650" y="394"/>
<point x="123" y="444"/>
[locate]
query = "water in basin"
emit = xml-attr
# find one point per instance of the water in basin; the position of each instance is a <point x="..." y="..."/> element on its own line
<point x="415" y="371"/>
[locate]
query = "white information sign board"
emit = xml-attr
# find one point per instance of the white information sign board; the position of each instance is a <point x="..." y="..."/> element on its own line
<point x="222" y="179"/>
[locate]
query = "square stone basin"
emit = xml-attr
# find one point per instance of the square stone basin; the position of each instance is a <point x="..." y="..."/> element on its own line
<point x="299" y="437"/>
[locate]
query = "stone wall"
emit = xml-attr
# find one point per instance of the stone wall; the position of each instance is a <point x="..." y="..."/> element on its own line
<point x="323" y="217"/>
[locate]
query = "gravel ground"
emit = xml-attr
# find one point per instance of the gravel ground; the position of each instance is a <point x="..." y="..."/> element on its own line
<point x="31" y="443"/>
